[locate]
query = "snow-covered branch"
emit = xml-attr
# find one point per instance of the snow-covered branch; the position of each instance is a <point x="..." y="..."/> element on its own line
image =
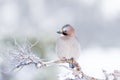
<point x="24" y="56"/>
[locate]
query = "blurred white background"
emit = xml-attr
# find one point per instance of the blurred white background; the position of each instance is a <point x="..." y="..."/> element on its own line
<point x="97" y="23"/>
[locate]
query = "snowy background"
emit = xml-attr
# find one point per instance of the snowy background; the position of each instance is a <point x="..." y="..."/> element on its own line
<point x="97" y="23"/>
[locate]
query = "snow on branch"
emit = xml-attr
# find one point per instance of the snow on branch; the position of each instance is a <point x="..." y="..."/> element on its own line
<point x="24" y="56"/>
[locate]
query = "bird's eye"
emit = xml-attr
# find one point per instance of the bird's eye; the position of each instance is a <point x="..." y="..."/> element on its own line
<point x="65" y="31"/>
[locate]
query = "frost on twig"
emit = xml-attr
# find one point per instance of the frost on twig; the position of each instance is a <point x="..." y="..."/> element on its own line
<point x="24" y="56"/>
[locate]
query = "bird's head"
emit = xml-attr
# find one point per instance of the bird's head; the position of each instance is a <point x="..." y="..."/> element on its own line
<point x="67" y="30"/>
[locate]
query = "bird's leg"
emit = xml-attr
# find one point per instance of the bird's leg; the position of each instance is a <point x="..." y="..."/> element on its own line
<point x="75" y="63"/>
<point x="72" y="60"/>
<point x="71" y="65"/>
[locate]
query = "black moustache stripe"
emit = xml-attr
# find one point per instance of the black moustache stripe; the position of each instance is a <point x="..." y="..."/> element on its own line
<point x="65" y="33"/>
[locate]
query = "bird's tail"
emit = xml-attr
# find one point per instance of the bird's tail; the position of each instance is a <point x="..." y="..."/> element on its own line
<point x="71" y="65"/>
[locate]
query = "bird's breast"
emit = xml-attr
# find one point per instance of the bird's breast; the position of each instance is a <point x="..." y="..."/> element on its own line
<point x="68" y="48"/>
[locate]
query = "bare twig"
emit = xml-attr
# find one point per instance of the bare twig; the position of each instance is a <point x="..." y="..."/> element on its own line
<point x="24" y="56"/>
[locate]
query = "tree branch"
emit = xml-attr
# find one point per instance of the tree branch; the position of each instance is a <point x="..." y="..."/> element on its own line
<point x="24" y="56"/>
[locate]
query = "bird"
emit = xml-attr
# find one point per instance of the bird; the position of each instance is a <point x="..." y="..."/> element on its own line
<point x="67" y="45"/>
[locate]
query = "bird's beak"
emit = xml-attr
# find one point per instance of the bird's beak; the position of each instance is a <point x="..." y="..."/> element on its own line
<point x="59" y="32"/>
